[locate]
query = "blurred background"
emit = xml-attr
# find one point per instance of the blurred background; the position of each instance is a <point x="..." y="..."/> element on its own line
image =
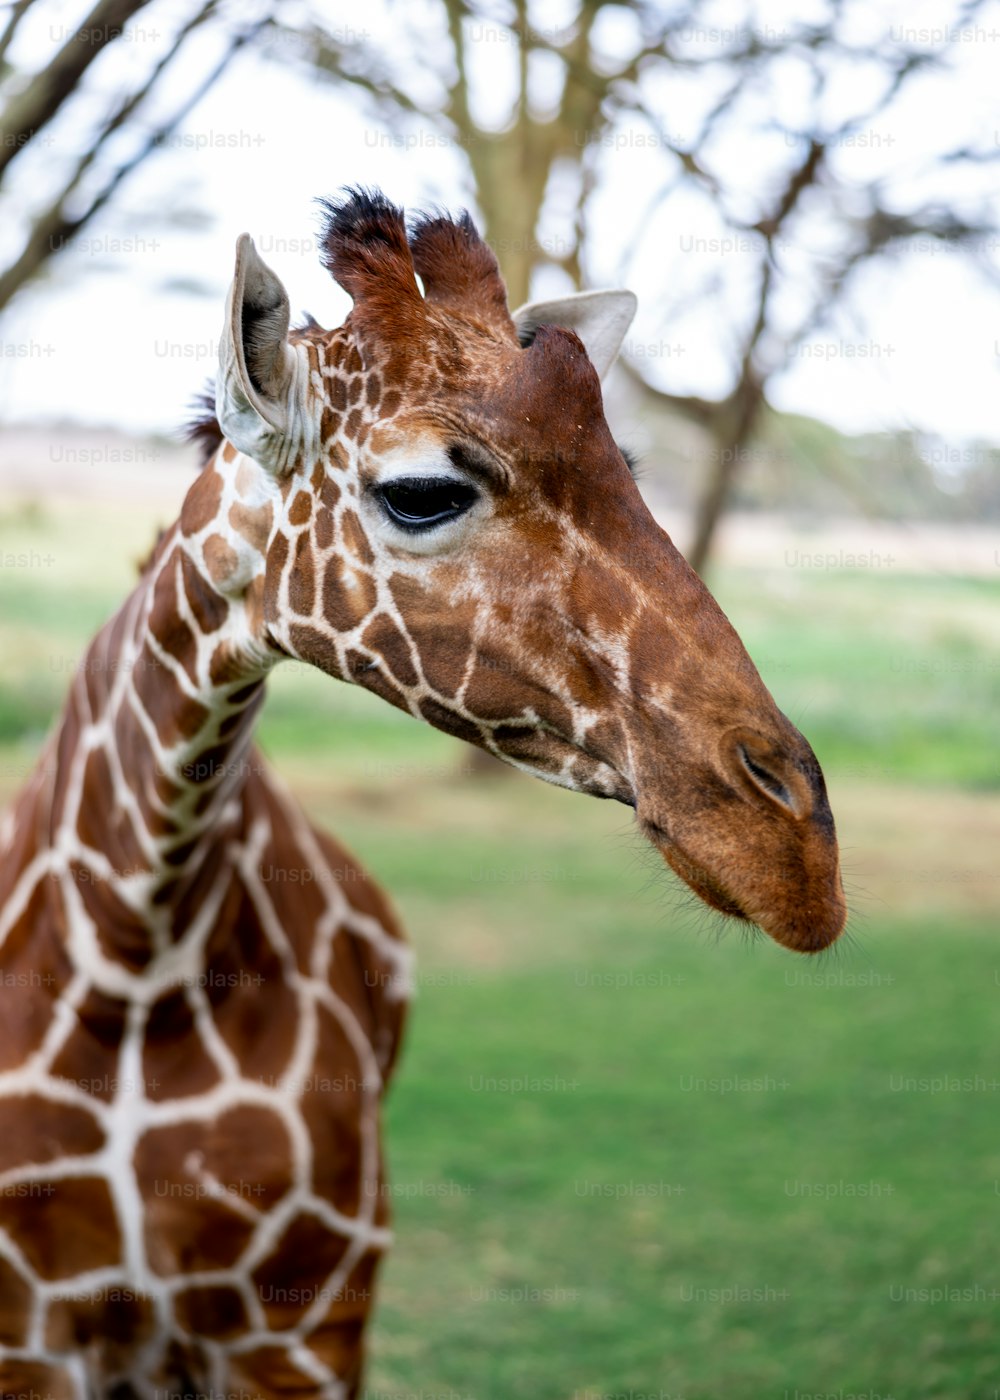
<point x="631" y="1158"/>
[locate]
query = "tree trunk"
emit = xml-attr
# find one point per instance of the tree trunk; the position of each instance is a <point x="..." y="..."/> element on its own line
<point x="732" y="432"/>
<point x="712" y="506"/>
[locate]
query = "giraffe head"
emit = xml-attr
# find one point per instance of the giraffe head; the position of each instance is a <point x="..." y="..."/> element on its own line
<point x="452" y="526"/>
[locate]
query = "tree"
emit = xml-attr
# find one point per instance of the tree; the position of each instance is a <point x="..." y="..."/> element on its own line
<point x="547" y="126"/>
<point x="748" y="135"/>
<point x="812" y="225"/>
<point x="90" y="179"/>
<point x="805" y="225"/>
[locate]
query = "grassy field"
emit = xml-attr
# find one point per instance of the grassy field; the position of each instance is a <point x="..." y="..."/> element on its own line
<point x="632" y="1158"/>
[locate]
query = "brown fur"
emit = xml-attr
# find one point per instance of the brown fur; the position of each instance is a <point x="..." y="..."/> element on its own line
<point x="460" y="272"/>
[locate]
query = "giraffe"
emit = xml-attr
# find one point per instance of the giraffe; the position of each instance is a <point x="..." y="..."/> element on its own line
<point x="202" y="996"/>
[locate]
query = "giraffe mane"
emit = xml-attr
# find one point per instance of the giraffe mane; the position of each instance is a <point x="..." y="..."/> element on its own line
<point x="145" y="564"/>
<point x="202" y="428"/>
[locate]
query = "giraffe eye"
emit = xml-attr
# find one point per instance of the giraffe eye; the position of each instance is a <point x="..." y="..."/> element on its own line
<point x="420" y="502"/>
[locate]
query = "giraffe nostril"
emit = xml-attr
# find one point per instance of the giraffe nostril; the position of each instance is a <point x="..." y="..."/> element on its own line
<point x="765" y="779"/>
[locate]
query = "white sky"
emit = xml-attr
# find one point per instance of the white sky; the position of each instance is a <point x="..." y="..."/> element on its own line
<point x="118" y="335"/>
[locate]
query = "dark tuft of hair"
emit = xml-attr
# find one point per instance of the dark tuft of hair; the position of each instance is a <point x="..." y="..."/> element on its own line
<point x="144" y="565"/>
<point x="309" y="328"/>
<point x="441" y="235"/>
<point x="363" y="240"/>
<point x="459" y="269"/>
<point x="361" y="216"/>
<point x="203" y="426"/>
<point x="631" y="461"/>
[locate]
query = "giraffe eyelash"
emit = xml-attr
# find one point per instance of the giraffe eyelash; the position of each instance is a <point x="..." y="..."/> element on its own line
<point x="417" y="504"/>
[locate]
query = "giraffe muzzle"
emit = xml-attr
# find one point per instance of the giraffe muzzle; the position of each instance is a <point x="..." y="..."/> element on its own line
<point x="805" y="916"/>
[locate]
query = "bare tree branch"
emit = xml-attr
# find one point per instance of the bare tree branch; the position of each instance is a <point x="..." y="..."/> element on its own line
<point x="55" y="227"/>
<point x="17" y="11"/>
<point x="29" y="111"/>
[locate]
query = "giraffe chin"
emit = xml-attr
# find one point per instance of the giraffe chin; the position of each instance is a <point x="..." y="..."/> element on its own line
<point x="804" y="933"/>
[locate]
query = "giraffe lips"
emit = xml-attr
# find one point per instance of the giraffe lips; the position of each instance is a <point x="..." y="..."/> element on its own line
<point x="694" y="876"/>
<point x="806" y="922"/>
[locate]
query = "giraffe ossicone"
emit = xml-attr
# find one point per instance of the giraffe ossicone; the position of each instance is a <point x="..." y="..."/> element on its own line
<point x="202" y="996"/>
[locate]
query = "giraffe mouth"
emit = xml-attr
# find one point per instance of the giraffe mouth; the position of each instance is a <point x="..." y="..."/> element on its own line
<point x="808" y="927"/>
<point x="696" y="877"/>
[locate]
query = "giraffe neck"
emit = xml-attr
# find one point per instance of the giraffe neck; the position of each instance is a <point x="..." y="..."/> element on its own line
<point x="155" y="747"/>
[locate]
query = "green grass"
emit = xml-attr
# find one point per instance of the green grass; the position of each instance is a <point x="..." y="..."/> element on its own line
<point x="629" y="1193"/>
<point x="825" y="1180"/>
<point x="623" y="1199"/>
<point x="828" y="1178"/>
<point x="890" y="676"/>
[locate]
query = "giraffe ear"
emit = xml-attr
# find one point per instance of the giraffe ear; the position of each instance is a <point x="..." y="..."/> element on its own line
<point x="600" y="319"/>
<point x="260" y="396"/>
